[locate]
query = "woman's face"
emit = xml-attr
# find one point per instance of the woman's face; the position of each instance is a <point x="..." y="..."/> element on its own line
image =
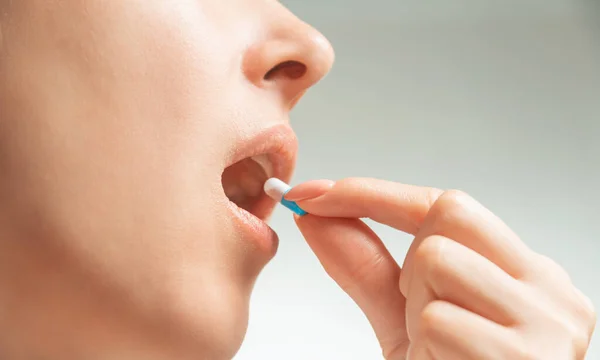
<point x="120" y="124"/>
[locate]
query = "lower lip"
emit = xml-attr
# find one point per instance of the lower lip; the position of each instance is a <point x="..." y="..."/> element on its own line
<point x="260" y="233"/>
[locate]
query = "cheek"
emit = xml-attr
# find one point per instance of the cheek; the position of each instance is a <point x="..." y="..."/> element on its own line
<point x="149" y="61"/>
<point x="114" y="135"/>
<point x="114" y="104"/>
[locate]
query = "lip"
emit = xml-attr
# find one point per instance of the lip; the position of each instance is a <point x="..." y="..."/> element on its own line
<point x="280" y="145"/>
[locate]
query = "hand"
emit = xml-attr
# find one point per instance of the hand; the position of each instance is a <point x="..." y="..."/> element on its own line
<point x="469" y="287"/>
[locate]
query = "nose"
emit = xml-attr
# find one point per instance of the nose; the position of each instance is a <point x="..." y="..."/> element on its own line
<point x="290" y="57"/>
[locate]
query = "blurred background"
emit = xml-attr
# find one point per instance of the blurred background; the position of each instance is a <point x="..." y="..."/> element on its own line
<point x="497" y="98"/>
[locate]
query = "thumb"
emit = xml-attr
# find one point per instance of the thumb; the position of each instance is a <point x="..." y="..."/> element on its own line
<point x="354" y="256"/>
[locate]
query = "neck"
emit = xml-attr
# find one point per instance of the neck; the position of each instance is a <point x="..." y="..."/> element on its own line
<point x="53" y="307"/>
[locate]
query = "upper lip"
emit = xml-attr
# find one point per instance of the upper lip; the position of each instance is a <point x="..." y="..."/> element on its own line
<point x="280" y="145"/>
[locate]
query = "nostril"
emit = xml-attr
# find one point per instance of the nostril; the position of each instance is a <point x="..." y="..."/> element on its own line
<point x="288" y="69"/>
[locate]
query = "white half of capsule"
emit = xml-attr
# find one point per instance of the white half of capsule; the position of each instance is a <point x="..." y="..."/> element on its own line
<point x="276" y="189"/>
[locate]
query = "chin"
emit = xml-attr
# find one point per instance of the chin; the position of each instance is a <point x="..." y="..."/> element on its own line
<point x="136" y="160"/>
<point x="205" y="299"/>
<point x="269" y="153"/>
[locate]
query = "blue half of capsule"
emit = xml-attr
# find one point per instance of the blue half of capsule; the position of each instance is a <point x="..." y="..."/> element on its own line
<point x="292" y="205"/>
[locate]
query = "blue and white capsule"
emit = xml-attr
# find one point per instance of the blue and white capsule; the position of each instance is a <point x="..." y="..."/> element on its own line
<point x="276" y="189"/>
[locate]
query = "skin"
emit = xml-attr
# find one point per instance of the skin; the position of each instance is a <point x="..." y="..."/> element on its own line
<point x="469" y="288"/>
<point x="116" y="119"/>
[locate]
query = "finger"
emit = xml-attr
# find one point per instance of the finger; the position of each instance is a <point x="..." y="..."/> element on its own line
<point x="453" y="333"/>
<point x="419" y="350"/>
<point x="458" y="216"/>
<point x="397" y="205"/>
<point x="359" y="263"/>
<point x="446" y="270"/>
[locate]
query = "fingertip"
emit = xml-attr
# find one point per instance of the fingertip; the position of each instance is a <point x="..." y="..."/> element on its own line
<point x="309" y="190"/>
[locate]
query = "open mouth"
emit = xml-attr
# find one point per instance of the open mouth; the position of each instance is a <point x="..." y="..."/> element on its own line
<point x="243" y="184"/>
<point x="270" y="154"/>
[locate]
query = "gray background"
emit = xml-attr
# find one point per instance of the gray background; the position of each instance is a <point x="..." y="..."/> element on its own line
<point x="497" y="98"/>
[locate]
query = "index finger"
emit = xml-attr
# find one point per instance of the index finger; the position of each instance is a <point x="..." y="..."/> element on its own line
<point x="401" y="206"/>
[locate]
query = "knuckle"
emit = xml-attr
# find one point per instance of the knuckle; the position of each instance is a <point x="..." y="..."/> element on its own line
<point x="580" y="335"/>
<point x="592" y="317"/>
<point x="524" y="351"/>
<point x="432" y="319"/>
<point x="450" y="203"/>
<point x="586" y="308"/>
<point x="585" y="314"/>
<point x="453" y="198"/>
<point x="572" y="331"/>
<point x="549" y="268"/>
<point x="429" y="256"/>
<point x="580" y="340"/>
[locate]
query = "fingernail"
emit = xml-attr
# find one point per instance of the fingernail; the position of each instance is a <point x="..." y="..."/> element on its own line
<point x="309" y="190"/>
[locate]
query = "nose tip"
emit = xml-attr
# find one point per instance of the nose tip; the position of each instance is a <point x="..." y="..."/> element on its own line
<point x="323" y="56"/>
<point x="292" y="58"/>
